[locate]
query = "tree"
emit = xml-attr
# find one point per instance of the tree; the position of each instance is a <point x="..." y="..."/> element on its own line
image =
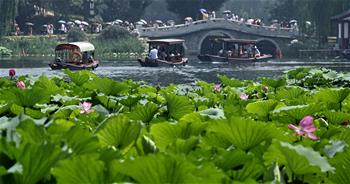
<point x="190" y="8"/>
<point x="7" y="16"/>
<point x="130" y="10"/>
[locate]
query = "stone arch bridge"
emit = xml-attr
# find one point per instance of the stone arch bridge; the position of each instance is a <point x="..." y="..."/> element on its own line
<point x="197" y="34"/>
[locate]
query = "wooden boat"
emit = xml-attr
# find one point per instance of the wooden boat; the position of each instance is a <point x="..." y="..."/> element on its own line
<point x="236" y="51"/>
<point x="170" y="53"/>
<point x="74" y="56"/>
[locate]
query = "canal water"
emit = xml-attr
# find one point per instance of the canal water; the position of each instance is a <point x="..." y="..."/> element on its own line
<point x="195" y="70"/>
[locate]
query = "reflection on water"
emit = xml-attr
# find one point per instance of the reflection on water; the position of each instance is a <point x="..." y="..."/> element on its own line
<point x="196" y="70"/>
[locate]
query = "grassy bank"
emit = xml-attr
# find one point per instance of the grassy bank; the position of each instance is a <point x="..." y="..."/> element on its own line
<point x="44" y="45"/>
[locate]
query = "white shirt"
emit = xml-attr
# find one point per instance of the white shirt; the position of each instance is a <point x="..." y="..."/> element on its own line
<point x="153" y="54"/>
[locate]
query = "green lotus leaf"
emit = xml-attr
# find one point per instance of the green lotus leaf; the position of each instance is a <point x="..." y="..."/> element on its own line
<point x="36" y="161"/>
<point x="293" y="114"/>
<point x="275" y="83"/>
<point x="262" y="108"/>
<point x="80" y="141"/>
<point x="342" y="163"/>
<point x="336" y="117"/>
<point x="79" y="78"/>
<point x="49" y="86"/>
<point x="26" y="97"/>
<point x="232" y="159"/>
<point x="251" y="170"/>
<point x="183" y="145"/>
<point x="144" y="113"/>
<point x="333" y="97"/>
<point x="242" y="133"/>
<point x="118" y="131"/>
<point x="130" y="100"/>
<point x="16" y="109"/>
<point x="213" y="113"/>
<point x="334" y="147"/>
<point x="31" y="133"/>
<point x="161" y="168"/>
<point x="80" y="169"/>
<point x="148" y="145"/>
<point x="106" y="86"/>
<point x="298" y="159"/>
<point x="230" y="82"/>
<point x="291" y="95"/>
<point x="178" y="106"/>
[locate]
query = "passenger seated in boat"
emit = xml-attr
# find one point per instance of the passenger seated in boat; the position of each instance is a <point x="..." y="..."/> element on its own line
<point x="153" y="54"/>
<point x="221" y="52"/>
<point x="255" y="51"/>
<point x="162" y="54"/>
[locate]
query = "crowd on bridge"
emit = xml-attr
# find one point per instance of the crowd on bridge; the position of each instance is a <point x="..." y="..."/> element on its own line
<point x="63" y="26"/>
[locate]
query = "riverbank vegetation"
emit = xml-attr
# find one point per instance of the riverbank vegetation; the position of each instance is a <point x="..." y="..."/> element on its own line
<point x="81" y="128"/>
<point x="112" y="42"/>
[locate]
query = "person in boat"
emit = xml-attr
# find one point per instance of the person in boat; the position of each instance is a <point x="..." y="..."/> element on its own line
<point x="255" y="51"/>
<point x="162" y="54"/>
<point x="221" y="52"/>
<point x="153" y="54"/>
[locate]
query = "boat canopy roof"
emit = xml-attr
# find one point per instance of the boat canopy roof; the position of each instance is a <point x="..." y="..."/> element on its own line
<point x="167" y="41"/>
<point x="241" y="41"/>
<point x="82" y="46"/>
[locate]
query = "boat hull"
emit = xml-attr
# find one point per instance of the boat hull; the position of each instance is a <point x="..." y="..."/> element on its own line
<point x="215" y="58"/>
<point x="73" y="66"/>
<point x="150" y="63"/>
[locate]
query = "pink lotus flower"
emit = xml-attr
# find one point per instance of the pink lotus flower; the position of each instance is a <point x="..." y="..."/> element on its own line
<point x="85" y="108"/>
<point x="21" y="84"/>
<point x="305" y="128"/>
<point x="217" y="87"/>
<point x="12" y="72"/>
<point x="244" y="97"/>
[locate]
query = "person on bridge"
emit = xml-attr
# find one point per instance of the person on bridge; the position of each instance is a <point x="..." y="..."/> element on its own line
<point x="153" y="54"/>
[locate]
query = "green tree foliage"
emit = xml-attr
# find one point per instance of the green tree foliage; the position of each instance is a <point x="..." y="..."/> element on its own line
<point x="318" y="12"/>
<point x="131" y="10"/>
<point x="185" y="8"/>
<point x="8" y="11"/>
<point x="75" y="35"/>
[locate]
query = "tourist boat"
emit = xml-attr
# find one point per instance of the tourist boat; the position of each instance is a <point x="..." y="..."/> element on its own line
<point x="74" y="56"/>
<point x="170" y="53"/>
<point x="234" y="51"/>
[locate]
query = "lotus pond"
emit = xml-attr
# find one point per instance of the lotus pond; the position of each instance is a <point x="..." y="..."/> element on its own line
<point x="81" y="128"/>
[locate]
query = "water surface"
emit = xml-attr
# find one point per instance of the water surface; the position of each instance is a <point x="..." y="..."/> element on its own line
<point x="195" y="70"/>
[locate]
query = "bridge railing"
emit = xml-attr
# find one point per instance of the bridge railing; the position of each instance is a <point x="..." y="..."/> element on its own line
<point x="281" y="30"/>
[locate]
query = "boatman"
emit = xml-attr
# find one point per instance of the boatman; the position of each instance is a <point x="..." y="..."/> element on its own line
<point x="153" y="54"/>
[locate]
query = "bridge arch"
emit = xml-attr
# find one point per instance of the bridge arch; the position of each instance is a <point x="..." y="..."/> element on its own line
<point x="269" y="46"/>
<point x="205" y="44"/>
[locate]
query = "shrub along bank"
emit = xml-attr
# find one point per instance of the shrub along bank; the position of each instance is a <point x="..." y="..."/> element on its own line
<point x="81" y="128"/>
<point x="43" y="45"/>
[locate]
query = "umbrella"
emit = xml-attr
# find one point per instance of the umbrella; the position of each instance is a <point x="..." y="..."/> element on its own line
<point x="227" y="12"/>
<point x="45" y="25"/>
<point x="274" y="21"/>
<point x="308" y="22"/>
<point x="159" y="22"/>
<point x="70" y="22"/>
<point x="293" y="21"/>
<point x="139" y="23"/>
<point x="170" y="21"/>
<point x="61" y="21"/>
<point x="118" y="21"/>
<point x="109" y="23"/>
<point x="77" y="21"/>
<point x="126" y="23"/>
<point x="188" y="18"/>
<point x="84" y="23"/>
<point x="203" y="10"/>
<point x="29" y="24"/>
<point x="143" y="21"/>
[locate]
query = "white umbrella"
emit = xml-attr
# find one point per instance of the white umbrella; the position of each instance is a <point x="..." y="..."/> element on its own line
<point x="203" y="10"/>
<point x="159" y="22"/>
<point x="61" y="21"/>
<point x="118" y="21"/>
<point x="29" y="24"/>
<point x="143" y="21"/>
<point x="188" y="18"/>
<point x="84" y="23"/>
<point x="77" y="22"/>
<point x="139" y="23"/>
<point x="70" y="22"/>
<point x="274" y="21"/>
<point x="109" y="23"/>
<point x="293" y="21"/>
<point x="308" y="22"/>
<point x="227" y="12"/>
